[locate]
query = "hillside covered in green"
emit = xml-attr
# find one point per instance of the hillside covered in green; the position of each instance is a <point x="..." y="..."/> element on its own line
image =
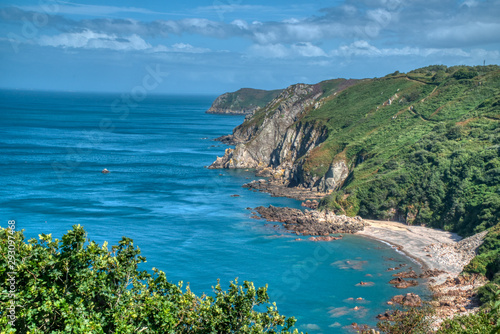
<point x="243" y="101"/>
<point x="422" y="147"/>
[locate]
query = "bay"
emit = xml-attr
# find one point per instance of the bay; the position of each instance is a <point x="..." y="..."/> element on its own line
<point x="180" y="214"/>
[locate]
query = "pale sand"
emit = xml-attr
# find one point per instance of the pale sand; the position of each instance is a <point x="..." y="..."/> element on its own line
<point x="415" y="242"/>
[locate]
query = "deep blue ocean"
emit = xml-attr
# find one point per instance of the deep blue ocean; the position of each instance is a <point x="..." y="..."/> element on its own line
<point x="179" y="213"/>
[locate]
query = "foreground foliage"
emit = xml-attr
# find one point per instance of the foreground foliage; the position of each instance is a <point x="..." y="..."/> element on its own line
<point x="418" y="320"/>
<point x="73" y="285"/>
<point x="487" y="263"/>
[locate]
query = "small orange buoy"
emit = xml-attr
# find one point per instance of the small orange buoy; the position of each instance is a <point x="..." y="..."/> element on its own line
<point x="105" y="171"/>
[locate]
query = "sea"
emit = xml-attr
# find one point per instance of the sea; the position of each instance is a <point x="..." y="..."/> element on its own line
<point x="185" y="218"/>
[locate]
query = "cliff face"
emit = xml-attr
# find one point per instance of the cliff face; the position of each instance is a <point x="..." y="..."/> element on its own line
<point x="242" y="102"/>
<point x="275" y="137"/>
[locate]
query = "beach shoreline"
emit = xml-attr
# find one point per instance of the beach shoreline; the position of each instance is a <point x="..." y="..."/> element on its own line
<point x="434" y="249"/>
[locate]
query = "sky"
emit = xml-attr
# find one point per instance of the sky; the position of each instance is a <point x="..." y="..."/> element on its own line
<point x="216" y="46"/>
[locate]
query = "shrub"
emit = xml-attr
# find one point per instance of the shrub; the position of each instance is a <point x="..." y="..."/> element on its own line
<point x="74" y="285"/>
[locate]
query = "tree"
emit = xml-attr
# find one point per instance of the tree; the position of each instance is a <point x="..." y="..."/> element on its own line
<point x="73" y="285"/>
<point x="464" y="73"/>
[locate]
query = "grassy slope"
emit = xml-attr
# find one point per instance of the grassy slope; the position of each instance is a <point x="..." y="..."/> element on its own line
<point x="430" y="157"/>
<point x="248" y="97"/>
<point x="327" y="87"/>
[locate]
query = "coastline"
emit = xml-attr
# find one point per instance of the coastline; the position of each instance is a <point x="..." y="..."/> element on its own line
<point x="416" y="241"/>
<point x="431" y="248"/>
<point x="436" y="250"/>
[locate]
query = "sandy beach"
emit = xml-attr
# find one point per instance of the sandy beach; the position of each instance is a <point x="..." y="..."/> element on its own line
<point x="432" y="248"/>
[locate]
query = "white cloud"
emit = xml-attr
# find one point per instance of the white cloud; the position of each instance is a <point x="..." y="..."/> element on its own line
<point x="308" y="50"/>
<point x="281" y="51"/>
<point x="381" y="16"/>
<point x="240" y="24"/>
<point x="365" y="49"/>
<point x="269" y="51"/>
<point x="180" y="47"/>
<point x="64" y="7"/>
<point x="469" y="3"/>
<point x="358" y="48"/>
<point x="305" y="32"/>
<point x="482" y="32"/>
<point x="91" y="40"/>
<point x="88" y="39"/>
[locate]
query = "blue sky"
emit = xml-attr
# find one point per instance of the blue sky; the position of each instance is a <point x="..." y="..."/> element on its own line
<point x="222" y="45"/>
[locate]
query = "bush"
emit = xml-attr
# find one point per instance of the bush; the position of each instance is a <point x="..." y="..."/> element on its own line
<point x="74" y="285"/>
<point x="464" y="73"/>
<point x="487" y="262"/>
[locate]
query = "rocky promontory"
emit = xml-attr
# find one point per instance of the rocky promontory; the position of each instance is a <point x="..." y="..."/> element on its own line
<point x="242" y="102"/>
<point x="311" y="222"/>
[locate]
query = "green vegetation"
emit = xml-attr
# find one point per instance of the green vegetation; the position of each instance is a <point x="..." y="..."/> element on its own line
<point x="487" y="263"/>
<point x="418" y="320"/>
<point x="246" y="98"/>
<point x="74" y="285"/>
<point x="423" y="147"/>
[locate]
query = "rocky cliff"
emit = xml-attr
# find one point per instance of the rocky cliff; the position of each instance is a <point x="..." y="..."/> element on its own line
<point x="276" y="138"/>
<point x="242" y="102"/>
<point x="413" y="147"/>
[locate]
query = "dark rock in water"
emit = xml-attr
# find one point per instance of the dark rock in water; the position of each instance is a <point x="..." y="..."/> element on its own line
<point x="402" y="284"/>
<point x="325" y="238"/>
<point x="227" y="140"/>
<point x="311" y="222"/>
<point x="401" y="265"/>
<point x="410" y="299"/>
<point x="385" y="316"/>
<point x="105" y="171"/>
<point x="235" y="195"/>
<point x="388" y="315"/>
<point x="362" y="283"/>
<point x="407" y="274"/>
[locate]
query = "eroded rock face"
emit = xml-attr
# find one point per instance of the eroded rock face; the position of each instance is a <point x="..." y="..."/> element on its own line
<point x="335" y="176"/>
<point x="276" y="138"/>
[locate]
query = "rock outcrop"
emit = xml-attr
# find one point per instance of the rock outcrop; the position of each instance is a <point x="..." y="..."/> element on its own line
<point x="311" y="222"/>
<point x="410" y="299"/>
<point x="242" y="102"/>
<point x="277" y="137"/>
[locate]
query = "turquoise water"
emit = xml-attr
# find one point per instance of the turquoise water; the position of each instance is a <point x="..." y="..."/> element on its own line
<point x="181" y="215"/>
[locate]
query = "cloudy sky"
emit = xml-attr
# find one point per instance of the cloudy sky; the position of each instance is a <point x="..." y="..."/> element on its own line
<point x="215" y="46"/>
